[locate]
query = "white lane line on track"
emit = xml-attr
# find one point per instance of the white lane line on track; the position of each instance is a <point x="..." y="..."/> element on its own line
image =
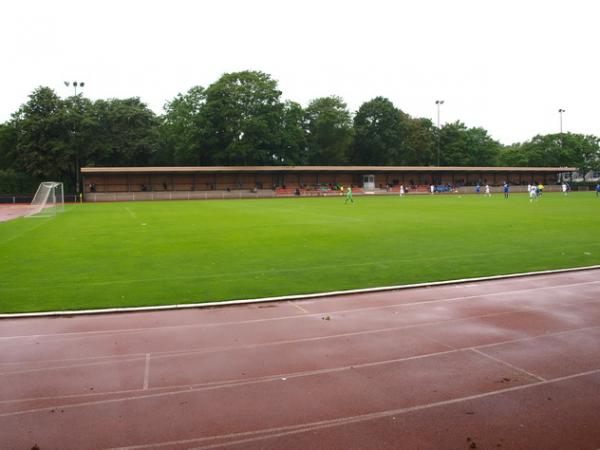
<point x="76" y="335"/>
<point x="295" y="305"/>
<point x="314" y="426"/>
<point x="175" y="389"/>
<point x="182" y="389"/>
<point x="520" y="369"/>
<point x="177" y="353"/>
<point x="146" y="371"/>
<point x="71" y="366"/>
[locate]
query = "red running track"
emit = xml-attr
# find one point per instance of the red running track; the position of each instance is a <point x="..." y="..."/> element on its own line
<point x="511" y="364"/>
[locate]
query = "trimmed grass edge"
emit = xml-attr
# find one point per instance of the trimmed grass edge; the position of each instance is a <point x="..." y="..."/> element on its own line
<point x="288" y="297"/>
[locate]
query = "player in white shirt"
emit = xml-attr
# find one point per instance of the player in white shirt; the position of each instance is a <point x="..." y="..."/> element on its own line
<point x="401" y="190"/>
<point x="487" y="190"/>
<point x="564" y="188"/>
<point x="533" y="193"/>
<point x="432" y="188"/>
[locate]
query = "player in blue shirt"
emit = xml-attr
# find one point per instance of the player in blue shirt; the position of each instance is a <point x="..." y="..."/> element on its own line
<point x="597" y="189"/>
<point x="506" y="189"/>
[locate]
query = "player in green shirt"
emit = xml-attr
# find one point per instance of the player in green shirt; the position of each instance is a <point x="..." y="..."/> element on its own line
<point x="349" y="195"/>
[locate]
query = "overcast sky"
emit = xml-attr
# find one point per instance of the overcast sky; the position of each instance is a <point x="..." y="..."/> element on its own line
<point x="507" y="66"/>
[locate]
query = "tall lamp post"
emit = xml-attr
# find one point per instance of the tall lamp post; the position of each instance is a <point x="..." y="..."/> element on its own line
<point x="438" y="103"/>
<point x="561" y="111"/>
<point x="81" y="84"/>
<point x="76" y="84"/>
<point x="562" y="141"/>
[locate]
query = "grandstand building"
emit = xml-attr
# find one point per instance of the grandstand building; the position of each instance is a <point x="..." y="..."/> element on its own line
<point x="153" y="183"/>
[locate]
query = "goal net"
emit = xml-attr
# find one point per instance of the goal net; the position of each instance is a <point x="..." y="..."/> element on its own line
<point x="48" y="200"/>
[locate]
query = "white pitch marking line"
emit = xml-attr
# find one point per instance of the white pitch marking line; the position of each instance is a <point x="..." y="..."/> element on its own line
<point x="299" y="307"/>
<point x="147" y="371"/>
<point x="131" y="213"/>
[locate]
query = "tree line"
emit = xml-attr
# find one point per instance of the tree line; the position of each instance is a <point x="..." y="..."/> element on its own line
<point x="241" y="119"/>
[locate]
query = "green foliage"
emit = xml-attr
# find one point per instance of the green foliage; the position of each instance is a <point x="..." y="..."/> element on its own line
<point x="462" y="146"/>
<point x="181" y="143"/>
<point x="420" y="145"/>
<point x="555" y="150"/>
<point x="329" y="131"/>
<point x="42" y="134"/>
<point x="12" y="182"/>
<point x="122" y="132"/>
<point x="380" y="133"/>
<point x="241" y="120"/>
<point x="8" y="142"/>
<point x="293" y="148"/>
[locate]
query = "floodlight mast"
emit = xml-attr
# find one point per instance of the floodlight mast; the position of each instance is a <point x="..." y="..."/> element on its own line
<point x="560" y="112"/>
<point x="438" y="103"/>
<point x="76" y="84"/>
<point x="81" y="84"/>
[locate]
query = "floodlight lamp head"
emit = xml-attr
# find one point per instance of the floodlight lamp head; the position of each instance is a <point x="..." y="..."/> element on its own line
<point x="81" y="84"/>
<point x="75" y="83"/>
<point x="66" y="83"/>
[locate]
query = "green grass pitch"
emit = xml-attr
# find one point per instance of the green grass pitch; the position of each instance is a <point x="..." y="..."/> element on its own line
<point x="155" y="253"/>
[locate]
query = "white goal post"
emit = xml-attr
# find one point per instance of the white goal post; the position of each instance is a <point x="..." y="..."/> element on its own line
<point x="48" y="200"/>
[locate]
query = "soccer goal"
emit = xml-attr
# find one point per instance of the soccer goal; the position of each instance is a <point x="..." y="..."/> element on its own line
<point x="48" y="200"/>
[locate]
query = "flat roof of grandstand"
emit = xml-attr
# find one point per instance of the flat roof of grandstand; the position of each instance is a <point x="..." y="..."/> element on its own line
<point x="373" y="169"/>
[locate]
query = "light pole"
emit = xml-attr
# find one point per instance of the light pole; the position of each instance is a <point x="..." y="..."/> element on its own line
<point x="81" y="84"/>
<point x="561" y="111"/>
<point x="562" y="141"/>
<point x="438" y="103"/>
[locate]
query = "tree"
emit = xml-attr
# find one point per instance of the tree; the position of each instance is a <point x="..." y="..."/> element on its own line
<point x="8" y="143"/>
<point x="240" y="123"/>
<point x="420" y="146"/>
<point x="41" y="134"/>
<point x="125" y="132"/>
<point x="180" y="130"/>
<point x="512" y="156"/>
<point x="462" y="146"/>
<point x="329" y="129"/>
<point x="556" y="150"/>
<point x="293" y="148"/>
<point x="380" y="133"/>
<point x="80" y="131"/>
